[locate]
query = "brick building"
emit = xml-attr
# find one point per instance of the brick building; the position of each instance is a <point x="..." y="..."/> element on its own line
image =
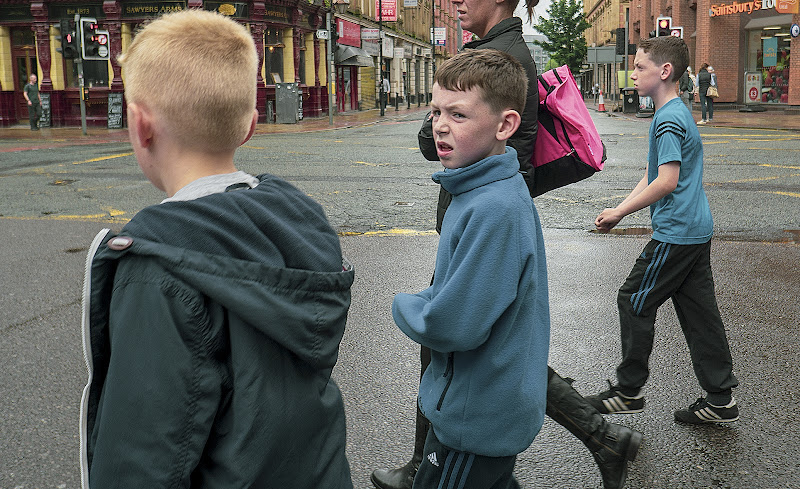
<point x="748" y="42"/>
<point x="284" y="31"/>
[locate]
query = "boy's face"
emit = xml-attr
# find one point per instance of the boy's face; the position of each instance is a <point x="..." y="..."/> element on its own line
<point x="646" y="74"/>
<point x="464" y="127"/>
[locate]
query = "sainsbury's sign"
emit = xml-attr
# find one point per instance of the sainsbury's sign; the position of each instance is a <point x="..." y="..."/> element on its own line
<point x="782" y="6"/>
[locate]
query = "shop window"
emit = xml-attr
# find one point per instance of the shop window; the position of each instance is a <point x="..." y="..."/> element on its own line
<point x="273" y="56"/>
<point x="22" y="38"/>
<point x="772" y="55"/>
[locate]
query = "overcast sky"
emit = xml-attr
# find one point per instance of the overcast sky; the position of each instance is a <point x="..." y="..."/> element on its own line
<point x="539" y="10"/>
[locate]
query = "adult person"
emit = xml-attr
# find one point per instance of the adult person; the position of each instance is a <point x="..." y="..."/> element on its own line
<point x="386" y="88"/>
<point x="686" y="88"/>
<point x="611" y="445"/>
<point x="31" y="94"/>
<point x="704" y="80"/>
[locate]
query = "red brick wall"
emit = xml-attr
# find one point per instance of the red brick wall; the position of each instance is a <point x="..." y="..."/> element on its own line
<point x="719" y="41"/>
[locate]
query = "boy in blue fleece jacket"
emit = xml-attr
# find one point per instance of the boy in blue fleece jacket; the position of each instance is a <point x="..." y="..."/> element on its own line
<point x="488" y="333"/>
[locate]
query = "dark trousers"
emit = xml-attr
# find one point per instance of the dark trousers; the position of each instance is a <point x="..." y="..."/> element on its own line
<point x="706" y="105"/>
<point x="34" y="112"/>
<point x="682" y="273"/>
<point x="443" y="467"/>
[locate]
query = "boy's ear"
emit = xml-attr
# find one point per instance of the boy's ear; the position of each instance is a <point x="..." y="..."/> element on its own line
<point x="141" y="121"/>
<point x="252" y="130"/>
<point x="666" y="71"/>
<point x="509" y="124"/>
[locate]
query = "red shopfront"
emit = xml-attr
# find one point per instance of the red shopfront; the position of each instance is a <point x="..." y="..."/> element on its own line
<point x="284" y="37"/>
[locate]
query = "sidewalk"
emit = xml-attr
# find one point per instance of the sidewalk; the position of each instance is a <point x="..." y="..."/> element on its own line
<point x="19" y="137"/>
<point x="726" y="116"/>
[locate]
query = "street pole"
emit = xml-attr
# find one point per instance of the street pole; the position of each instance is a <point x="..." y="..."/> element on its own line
<point x="627" y="23"/>
<point x="79" y="61"/>
<point x="330" y="67"/>
<point x="380" y="54"/>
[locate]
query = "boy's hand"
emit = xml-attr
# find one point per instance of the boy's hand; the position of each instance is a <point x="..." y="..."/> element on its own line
<point x="607" y="220"/>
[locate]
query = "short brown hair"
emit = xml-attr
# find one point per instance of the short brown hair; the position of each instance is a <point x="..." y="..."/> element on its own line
<point x="667" y="49"/>
<point x="197" y="71"/>
<point x="499" y="76"/>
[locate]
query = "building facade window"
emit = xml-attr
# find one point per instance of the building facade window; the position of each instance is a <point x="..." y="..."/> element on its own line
<point x="769" y="54"/>
<point x="273" y="56"/>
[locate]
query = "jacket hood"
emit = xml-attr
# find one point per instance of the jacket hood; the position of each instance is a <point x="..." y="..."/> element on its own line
<point x="483" y="172"/>
<point x="276" y="267"/>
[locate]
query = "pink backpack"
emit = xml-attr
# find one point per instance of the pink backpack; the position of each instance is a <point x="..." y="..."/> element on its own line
<point x="568" y="147"/>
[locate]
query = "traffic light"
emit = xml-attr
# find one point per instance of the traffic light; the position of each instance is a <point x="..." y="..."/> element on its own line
<point x="69" y="44"/>
<point x="663" y="26"/>
<point x="94" y="41"/>
<point x="621" y="41"/>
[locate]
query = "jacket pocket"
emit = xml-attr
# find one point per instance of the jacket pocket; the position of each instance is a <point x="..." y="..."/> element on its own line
<point x="448" y="373"/>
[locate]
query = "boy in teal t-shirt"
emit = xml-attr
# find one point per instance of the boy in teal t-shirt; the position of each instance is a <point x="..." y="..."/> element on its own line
<point x="676" y="263"/>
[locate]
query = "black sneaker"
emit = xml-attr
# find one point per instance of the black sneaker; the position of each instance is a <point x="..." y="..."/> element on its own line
<point x="613" y="401"/>
<point x="701" y="412"/>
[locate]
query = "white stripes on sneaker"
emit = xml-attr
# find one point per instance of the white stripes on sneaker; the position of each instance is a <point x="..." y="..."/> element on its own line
<point x="617" y="404"/>
<point x="708" y="414"/>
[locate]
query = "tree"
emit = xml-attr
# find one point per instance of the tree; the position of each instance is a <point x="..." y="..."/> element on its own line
<point x="564" y="31"/>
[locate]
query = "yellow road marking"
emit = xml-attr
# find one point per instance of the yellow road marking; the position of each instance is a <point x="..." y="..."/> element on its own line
<point x="391" y="232"/>
<point x="761" y="179"/>
<point x="370" y="164"/>
<point x="102" y="158"/>
<point x="788" y="194"/>
<point x="769" y="165"/>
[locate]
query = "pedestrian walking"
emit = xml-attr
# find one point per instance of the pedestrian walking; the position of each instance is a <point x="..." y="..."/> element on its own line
<point x="611" y="445"/>
<point x="385" y="87"/>
<point x="212" y="321"/>
<point x="31" y="94"/>
<point x="705" y="80"/>
<point x="686" y="88"/>
<point x="676" y="263"/>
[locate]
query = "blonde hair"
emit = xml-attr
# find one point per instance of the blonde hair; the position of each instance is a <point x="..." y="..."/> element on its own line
<point x="196" y="70"/>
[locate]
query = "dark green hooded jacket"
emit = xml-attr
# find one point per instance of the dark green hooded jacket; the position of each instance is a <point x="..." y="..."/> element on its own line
<point x="211" y="328"/>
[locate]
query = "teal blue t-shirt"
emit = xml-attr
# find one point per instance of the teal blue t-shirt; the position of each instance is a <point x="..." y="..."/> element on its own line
<point x="682" y="217"/>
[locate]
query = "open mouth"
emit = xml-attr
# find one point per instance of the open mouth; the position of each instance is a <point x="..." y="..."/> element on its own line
<point x="443" y="149"/>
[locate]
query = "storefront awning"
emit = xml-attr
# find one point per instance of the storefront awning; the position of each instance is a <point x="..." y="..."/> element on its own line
<point x="352" y="56"/>
<point x="769" y="21"/>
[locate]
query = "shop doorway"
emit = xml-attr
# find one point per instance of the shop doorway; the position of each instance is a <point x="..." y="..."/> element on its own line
<point x="23" y="52"/>
<point x="346" y="88"/>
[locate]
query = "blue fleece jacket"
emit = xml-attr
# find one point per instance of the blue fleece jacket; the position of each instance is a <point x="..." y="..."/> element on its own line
<point x="486" y="316"/>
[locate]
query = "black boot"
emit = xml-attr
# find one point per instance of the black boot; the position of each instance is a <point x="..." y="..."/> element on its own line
<point x="612" y="445"/>
<point x="403" y="477"/>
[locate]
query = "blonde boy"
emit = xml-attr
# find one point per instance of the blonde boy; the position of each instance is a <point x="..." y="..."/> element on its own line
<point x="212" y="321"/>
<point x="486" y="315"/>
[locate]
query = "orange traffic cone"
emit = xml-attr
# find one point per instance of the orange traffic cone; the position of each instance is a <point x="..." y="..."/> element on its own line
<point x="601" y="105"/>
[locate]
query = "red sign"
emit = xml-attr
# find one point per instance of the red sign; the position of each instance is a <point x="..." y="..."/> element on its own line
<point x="349" y="33"/>
<point x="386" y="10"/>
<point x="466" y="36"/>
